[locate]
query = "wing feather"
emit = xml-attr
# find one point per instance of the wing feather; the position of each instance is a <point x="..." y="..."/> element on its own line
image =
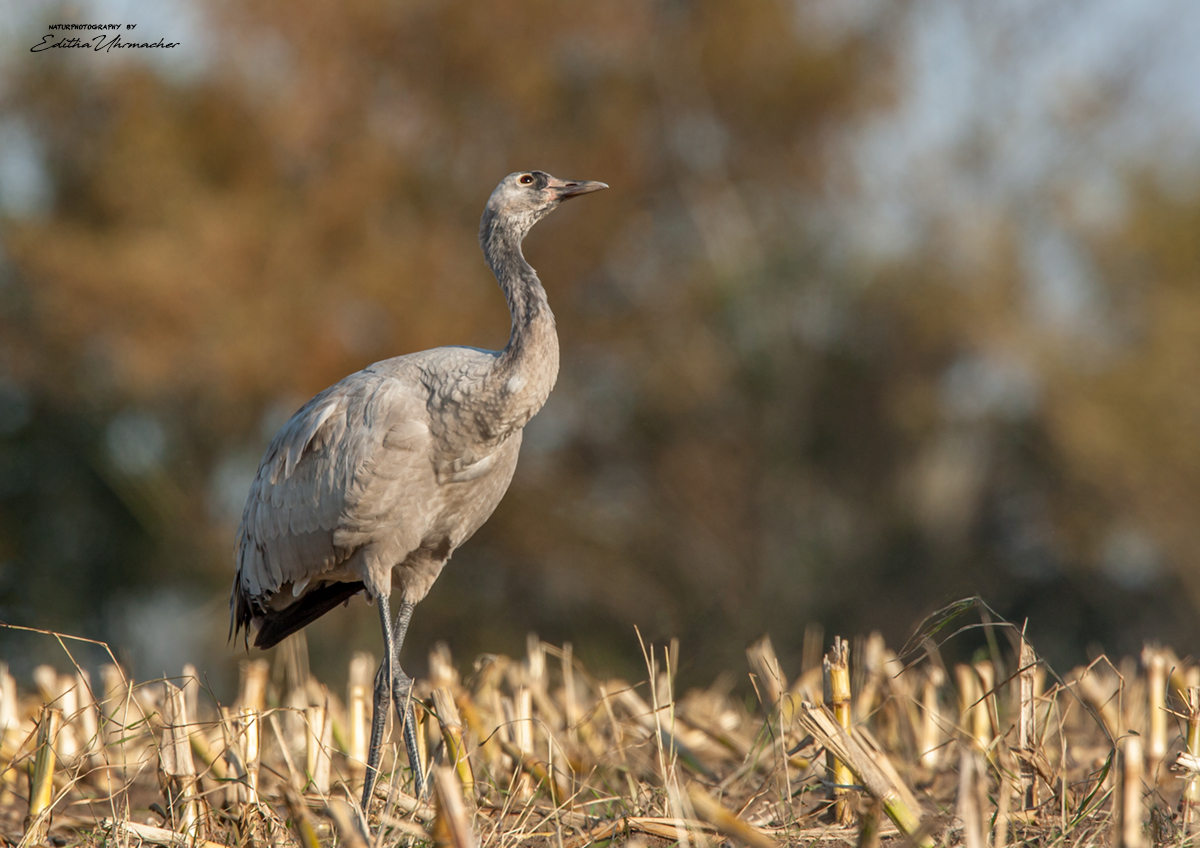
<point x="327" y="483"/>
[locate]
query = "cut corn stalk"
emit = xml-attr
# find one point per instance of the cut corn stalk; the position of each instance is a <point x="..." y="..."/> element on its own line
<point x="1027" y="723"/>
<point x="972" y="797"/>
<point x="177" y="765"/>
<point x="868" y="825"/>
<point x="252" y="691"/>
<point x="318" y="742"/>
<point x="724" y="820"/>
<point x="238" y="791"/>
<point x="931" y="735"/>
<point x="819" y="721"/>
<point x="442" y="673"/>
<point x="302" y="821"/>
<point x="874" y="655"/>
<point x="1101" y="699"/>
<point x="452" y="827"/>
<point x="60" y="690"/>
<point x="771" y="681"/>
<point x="351" y="833"/>
<point x="837" y="675"/>
<point x="358" y="716"/>
<point x="115" y="713"/>
<point x="1004" y="794"/>
<point x="1129" y="797"/>
<point x="570" y="704"/>
<point x="612" y="755"/>
<point x="970" y="703"/>
<point x="86" y="724"/>
<point x="41" y="779"/>
<point x="452" y="734"/>
<point x="534" y="772"/>
<point x="1190" y="802"/>
<point x="1156" y="710"/>
<point x="155" y="835"/>
<point x="984" y="714"/>
<point x="405" y="802"/>
<point x="213" y="762"/>
<point x="10" y="729"/>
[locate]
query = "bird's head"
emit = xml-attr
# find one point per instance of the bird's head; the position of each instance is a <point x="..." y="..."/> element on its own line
<point x="525" y="197"/>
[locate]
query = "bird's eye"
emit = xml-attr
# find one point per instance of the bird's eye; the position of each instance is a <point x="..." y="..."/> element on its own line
<point x="525" y="179"/>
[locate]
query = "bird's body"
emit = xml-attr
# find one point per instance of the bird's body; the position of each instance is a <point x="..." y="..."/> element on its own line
<point x="400" y="438"/>
<point x="374" y="483"/>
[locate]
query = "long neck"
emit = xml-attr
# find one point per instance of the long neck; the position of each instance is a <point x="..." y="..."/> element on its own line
<point x="526" y="369"/>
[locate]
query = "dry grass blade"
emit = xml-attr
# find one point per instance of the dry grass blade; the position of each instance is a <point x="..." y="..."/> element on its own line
<point x="724" y="820"/>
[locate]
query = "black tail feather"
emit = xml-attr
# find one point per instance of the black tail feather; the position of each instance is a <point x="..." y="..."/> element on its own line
<point x="279" y="624"/>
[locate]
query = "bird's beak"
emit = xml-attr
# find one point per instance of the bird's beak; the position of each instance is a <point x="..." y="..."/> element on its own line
<point x="569" y="188"/>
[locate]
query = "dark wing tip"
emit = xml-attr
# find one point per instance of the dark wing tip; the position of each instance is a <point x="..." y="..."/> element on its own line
<point x="240" y="615"/>
<point x="277" y="625"/>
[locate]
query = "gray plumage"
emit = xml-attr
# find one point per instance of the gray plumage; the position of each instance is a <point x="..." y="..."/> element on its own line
<point x="373" y="484"/>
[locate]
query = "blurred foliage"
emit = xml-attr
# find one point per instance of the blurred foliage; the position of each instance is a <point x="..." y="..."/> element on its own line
<point x="756" y="425"/>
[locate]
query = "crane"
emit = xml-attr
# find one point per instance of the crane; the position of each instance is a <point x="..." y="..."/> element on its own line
<point x="373" y="484"/>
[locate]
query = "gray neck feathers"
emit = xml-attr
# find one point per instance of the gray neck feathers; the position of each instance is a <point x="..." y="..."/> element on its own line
<point x="501" y="238"/>
<point x="527" y="368"/>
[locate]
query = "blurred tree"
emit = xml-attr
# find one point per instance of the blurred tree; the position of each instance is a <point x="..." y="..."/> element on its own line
<point x="758" y="423"/>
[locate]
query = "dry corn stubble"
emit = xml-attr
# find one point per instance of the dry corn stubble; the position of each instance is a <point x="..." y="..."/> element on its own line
<point x="534" y="751"/>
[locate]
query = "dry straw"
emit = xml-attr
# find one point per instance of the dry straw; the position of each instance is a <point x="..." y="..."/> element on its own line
<point x="540" y="750"/>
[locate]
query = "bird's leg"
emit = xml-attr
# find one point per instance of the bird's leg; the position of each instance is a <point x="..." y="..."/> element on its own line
<point x="383" y="692"/>
<point x="402" y="698"/>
